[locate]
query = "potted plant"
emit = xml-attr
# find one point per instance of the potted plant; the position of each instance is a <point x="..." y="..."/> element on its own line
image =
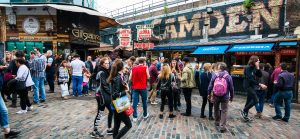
<point x="248" y="4"/>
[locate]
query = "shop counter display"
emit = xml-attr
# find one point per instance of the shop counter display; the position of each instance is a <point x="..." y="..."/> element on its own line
<point x="237" y="73"/>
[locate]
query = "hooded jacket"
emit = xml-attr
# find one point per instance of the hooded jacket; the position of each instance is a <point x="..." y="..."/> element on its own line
<point x="104" y="88"/>
<point x="187" y="79"/>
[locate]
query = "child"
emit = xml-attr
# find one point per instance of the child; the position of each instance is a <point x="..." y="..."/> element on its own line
<point x="86" y="78"/>
<point x="63" y="79"/>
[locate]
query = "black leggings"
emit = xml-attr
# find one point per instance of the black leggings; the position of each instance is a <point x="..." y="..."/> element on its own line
<point x="100" y="112"/>
<point x="165" y="94"/>
<point x="24" y="99"/>
<point x="252" y="99"/>
<point x="176" y="94"/>
<point x="210" y="105"/>
<point x="118" y="118"/>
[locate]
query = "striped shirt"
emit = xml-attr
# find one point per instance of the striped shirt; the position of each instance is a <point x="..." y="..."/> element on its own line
<point x="38" y="67"/>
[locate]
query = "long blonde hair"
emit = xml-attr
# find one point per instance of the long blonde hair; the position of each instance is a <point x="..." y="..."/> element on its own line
<point x="165" y="72"/>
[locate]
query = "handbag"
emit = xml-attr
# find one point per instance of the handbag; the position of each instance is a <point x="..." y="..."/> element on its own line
<point x="128" y="111"/>
<point x="21" y="85"/>
<point x="7" y="76"/>
<point x="174" y="85"/>
<point x="121" y="104"/>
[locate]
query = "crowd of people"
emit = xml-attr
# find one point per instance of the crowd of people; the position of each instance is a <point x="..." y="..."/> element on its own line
<point x="132" y="79"/>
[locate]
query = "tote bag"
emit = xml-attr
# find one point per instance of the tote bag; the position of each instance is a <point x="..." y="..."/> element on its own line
<point x="121" y="104"/>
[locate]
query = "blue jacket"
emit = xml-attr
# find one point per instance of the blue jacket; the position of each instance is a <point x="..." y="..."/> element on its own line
<point x="285" y="81"/>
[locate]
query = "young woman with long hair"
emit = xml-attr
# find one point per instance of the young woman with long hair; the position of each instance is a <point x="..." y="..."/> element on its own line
<point x="63" y="79"/>
<point x="164" y="84"/>
<point x="177" y="76"/>
<point x="119" y="88"/>
<point x="103" y="97"/>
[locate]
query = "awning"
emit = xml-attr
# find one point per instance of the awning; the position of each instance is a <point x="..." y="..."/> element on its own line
<point x="104" y="21"/>
<point x="182" y="47"/>
<point x="206" y="50"/>
<point x="255" y="47"/>
<point x="160" y="48"/>
<point x="5" y="5"/>
<point x="292" y="43"/>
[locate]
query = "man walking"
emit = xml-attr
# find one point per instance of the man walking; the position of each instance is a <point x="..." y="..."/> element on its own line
<point x="187" y="84"/>
<point x="139" y="76"/>
<point x="153" y="81"/>
<point x="285" y="87"/>
<point x="77" y="67"/>
<point x="50" y="71"/>
<point x="38" y="67"/>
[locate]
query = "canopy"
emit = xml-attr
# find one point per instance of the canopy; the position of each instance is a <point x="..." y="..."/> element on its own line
<point x="182" y="47"/>
<point x="206" y="50"/>
<point x="254" y="47"/>
<point x="104" y="21"/>
<point x="292" y="43"/>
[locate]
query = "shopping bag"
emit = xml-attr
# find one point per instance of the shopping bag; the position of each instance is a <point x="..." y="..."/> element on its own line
<point x="128" y="111"/>
<point x="121" y="104"/>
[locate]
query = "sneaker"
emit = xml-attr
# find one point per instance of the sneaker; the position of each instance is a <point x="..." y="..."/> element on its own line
<point x="202" y="116"/>
<point x="21" y="112"/>
<point x="285" y="119"/>
<point x="172" y="116"/>
<point x="96" y="134"/>
<point x="277" y="118"/>
<point x="12" y="134"/>
<point x="109" y="131"/>
<point x="30" y="108"/>
<point x="211" y="118"/>
<point x="154" y="103"/>
<point x="134" y="119"/>
<point x="244" y="115"/>
<point x="223" y="130"/>
<point x="161" y="116"/>
<point x="42" y="101"/>
<point x="145" y="117"/>
<point x="185" y="114"/>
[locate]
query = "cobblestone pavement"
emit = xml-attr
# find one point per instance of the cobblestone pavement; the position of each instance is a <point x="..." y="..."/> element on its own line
<point x="73" y="118"/>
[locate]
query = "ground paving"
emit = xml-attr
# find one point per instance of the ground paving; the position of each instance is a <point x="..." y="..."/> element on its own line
<point x="73" y="118"/>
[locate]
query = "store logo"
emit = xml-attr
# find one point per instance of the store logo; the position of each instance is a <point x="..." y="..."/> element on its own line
<point x="31" y="25"/>
<point x="89" y="37"/>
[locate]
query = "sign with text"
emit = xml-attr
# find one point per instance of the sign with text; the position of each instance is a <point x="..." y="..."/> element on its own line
<point x="253" y="53"/>
<point x="89" y="37"/>
<point x="288" y="52"/>
<point x="125" y="33"/>
<point x="145" y="46"/>
<point x="144" y="34"/>
<point x="124" y="42"/>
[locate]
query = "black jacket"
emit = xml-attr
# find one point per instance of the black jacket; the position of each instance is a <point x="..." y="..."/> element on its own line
<point x="118" y="87"/>
<point x="12" y="67"/>
<point x="250" y="76"/>
<point x="166" y="82"/>
<point x="204" y="79"/>
<point x="105" y="88"/>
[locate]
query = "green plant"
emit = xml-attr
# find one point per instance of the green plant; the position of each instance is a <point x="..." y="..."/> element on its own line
<point x="166" y="9"/>
<point x="248" y="4"/>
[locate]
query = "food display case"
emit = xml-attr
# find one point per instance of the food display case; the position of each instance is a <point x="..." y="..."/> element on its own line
<point x="237" y="73"/>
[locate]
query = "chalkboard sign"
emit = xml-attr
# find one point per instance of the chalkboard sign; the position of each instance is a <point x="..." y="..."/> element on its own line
<point x="1" y="50"/>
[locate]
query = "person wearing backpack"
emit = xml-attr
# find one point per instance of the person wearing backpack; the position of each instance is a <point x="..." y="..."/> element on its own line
<point x="187" y="84"/>
<point x="222" y="86"/>
<point x="205" y="78"/>
<point x="164" y="85"/>
<point x="251" y="73"/>
<point x="38" y="67"/>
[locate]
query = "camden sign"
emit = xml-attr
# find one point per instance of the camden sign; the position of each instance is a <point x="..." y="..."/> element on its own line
<point x="227" y="20"/>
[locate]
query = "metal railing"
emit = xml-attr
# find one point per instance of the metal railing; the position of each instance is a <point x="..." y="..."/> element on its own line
<point x="146" y="7"/>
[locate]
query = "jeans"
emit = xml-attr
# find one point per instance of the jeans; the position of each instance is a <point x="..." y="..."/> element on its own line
<point x="287" y="97"/>
<point x="50" y="79"/>
<point x="39" y="89"/>
<point x="3" y="114"/>
<point x="252" y="99"/>
<point x="165" y="94"/>
<point x="187" y="92"/>
<point x="210" y="106"/>
<point x="118" y="118"/>
<point x="77" y="85"/>
<point x="261" y="94"/>
<point x="136" y="93"/>
<point x="220" y="117"/>
<point x="176" y="99"/>
<point x="1" y="86"/>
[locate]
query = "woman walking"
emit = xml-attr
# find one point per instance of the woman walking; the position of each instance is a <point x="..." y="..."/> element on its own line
<point x="251" y="73"/>
<point x="23" y="74"/>
<point x="103" y="97"/>
<point x="205" y="78"/>
<point x="119" y="88"/>
<point x="164" y="84"/>
<point x="63" y="79"/>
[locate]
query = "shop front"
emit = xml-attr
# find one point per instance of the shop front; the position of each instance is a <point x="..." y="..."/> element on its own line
<point x="172" y="52"/>
<point x="239" y="56"/>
